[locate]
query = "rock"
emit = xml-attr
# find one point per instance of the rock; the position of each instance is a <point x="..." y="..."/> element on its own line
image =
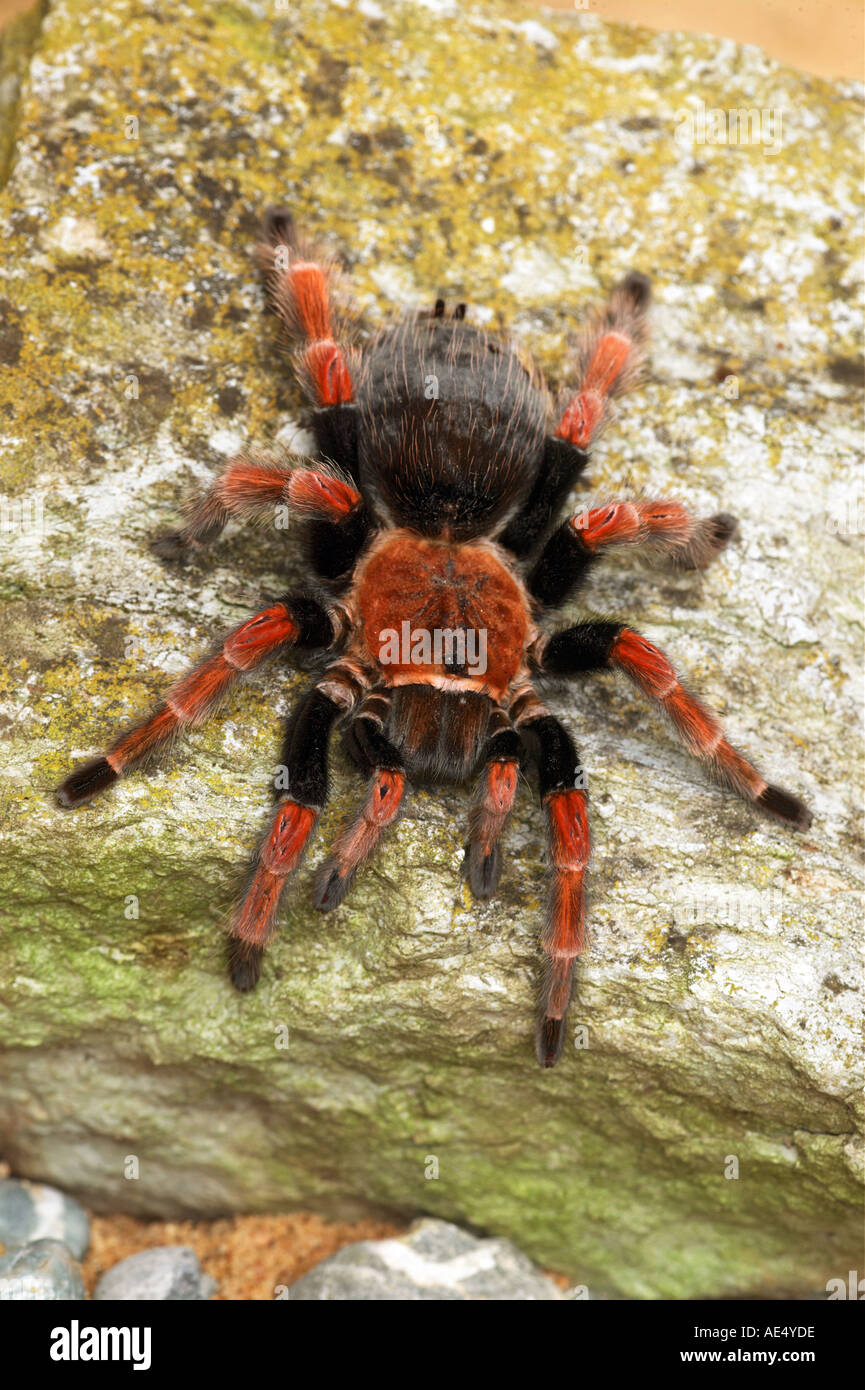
<point x="77" y="240"/>
<point x="30" y="1211"/>
<point x="43" y="1271"/>
<point x="167" y="1273"/>
<point x="700" y="1138"/>
<point x="434" y="1261"/>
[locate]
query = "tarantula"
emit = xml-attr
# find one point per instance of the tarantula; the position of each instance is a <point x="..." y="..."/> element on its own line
<point x="434" y="518"/>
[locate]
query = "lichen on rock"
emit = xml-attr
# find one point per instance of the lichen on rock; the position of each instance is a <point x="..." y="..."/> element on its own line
<point x="700" y="1138"/>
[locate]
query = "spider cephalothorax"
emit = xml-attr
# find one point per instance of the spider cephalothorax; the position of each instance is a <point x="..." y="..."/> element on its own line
<point x="432" y="526"/>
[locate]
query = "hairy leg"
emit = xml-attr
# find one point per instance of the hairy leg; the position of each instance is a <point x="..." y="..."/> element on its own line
<point x="610" y="357"/>
<point x="305" y="771"/>
<point x="299" y="285"/>
<point x="598" y="645"/>
<point x="491" y="805"/>
<point x="359" y="839"/>
<point x="253" y="487"/>
<point x="610" y="354"/>
<point x="665" y="526"/>
<point x="562" y="785"/>
<point x="295" y="621"/>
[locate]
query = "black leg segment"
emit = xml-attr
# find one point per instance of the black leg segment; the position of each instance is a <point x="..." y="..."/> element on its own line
<point x="561" y="568"/>
<point x="562" y="464"/>
<point x="584" y="647"/>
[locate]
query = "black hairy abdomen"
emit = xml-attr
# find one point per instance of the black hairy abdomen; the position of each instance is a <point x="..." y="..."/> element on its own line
<point x="451" y="428"/>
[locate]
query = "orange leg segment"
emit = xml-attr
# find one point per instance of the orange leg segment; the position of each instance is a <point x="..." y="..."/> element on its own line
<point x="490" y="810"/>
<point x="699" y="728"/>
<point x="563" y="938"/>
<point x="190" y="702"/>
<point x="360" y="838"/>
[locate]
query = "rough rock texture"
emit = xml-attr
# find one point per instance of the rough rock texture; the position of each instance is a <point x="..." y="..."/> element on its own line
<point x="170" y="1273"/>
<point x="43" y="1271"/>
<point x="29" y="1211"/>
<point x="434" y="1262"/>
<point x="522" y="162"/>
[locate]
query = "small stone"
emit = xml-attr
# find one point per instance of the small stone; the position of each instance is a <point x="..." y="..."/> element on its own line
<point x="42" y="1271"/>
<point x="77" y="240"/>
<point x="435" y="1261"/>
<point x="169" y="1273"/>
<point x="30" y="1211"/>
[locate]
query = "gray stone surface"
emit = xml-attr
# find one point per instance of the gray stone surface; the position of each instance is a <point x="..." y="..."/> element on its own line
<point x="32" y="1211"/>
<point x="523" y="164"/>
<point x="42" y="1271"/>
<point x="435" y="1261"/>
<point x="165" y="1273"/>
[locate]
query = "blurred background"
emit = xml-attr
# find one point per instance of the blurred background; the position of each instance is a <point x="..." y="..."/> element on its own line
<point x="820" y="36"/>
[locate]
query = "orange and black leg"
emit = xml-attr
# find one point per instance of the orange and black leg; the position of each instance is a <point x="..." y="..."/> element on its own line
<point x="562" y="785"/>
<point x="609" y="360"/>
<point x="597" y="645"/>
<point x="302" y="783"/>
<point x="360" y="838"/>
<point x="491" y="806"/>
<point x="665" y="526"/>
<point x="296" y="621"/>
<point x="248" y="487"/>
<point x="299" y="284"/>
<point x="254" y="487"/>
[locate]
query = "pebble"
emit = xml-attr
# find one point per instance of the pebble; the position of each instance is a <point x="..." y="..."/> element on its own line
<point x="42" y="1271"/>
<point x="30" y="1211"/>
<point x="166" y="1273"/>
<point x="435" y="1260"/>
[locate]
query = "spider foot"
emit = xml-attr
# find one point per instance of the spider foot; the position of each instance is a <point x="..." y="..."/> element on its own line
<point x="86" y="781"/>
<point x="278" y="226"/>
<point x="244" y="963"/>
<point x="550" y="1040"/>
<point x="785" y="807"/>
<point x="172" y="546"/>
<point x="331" y="885"/>
<point x="638" y="288"/>
<point x="482" y="870"/>
<point x="710" y="538"/>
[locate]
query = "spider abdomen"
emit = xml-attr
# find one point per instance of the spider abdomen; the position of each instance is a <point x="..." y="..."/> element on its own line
<point x="452" y="426"/>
